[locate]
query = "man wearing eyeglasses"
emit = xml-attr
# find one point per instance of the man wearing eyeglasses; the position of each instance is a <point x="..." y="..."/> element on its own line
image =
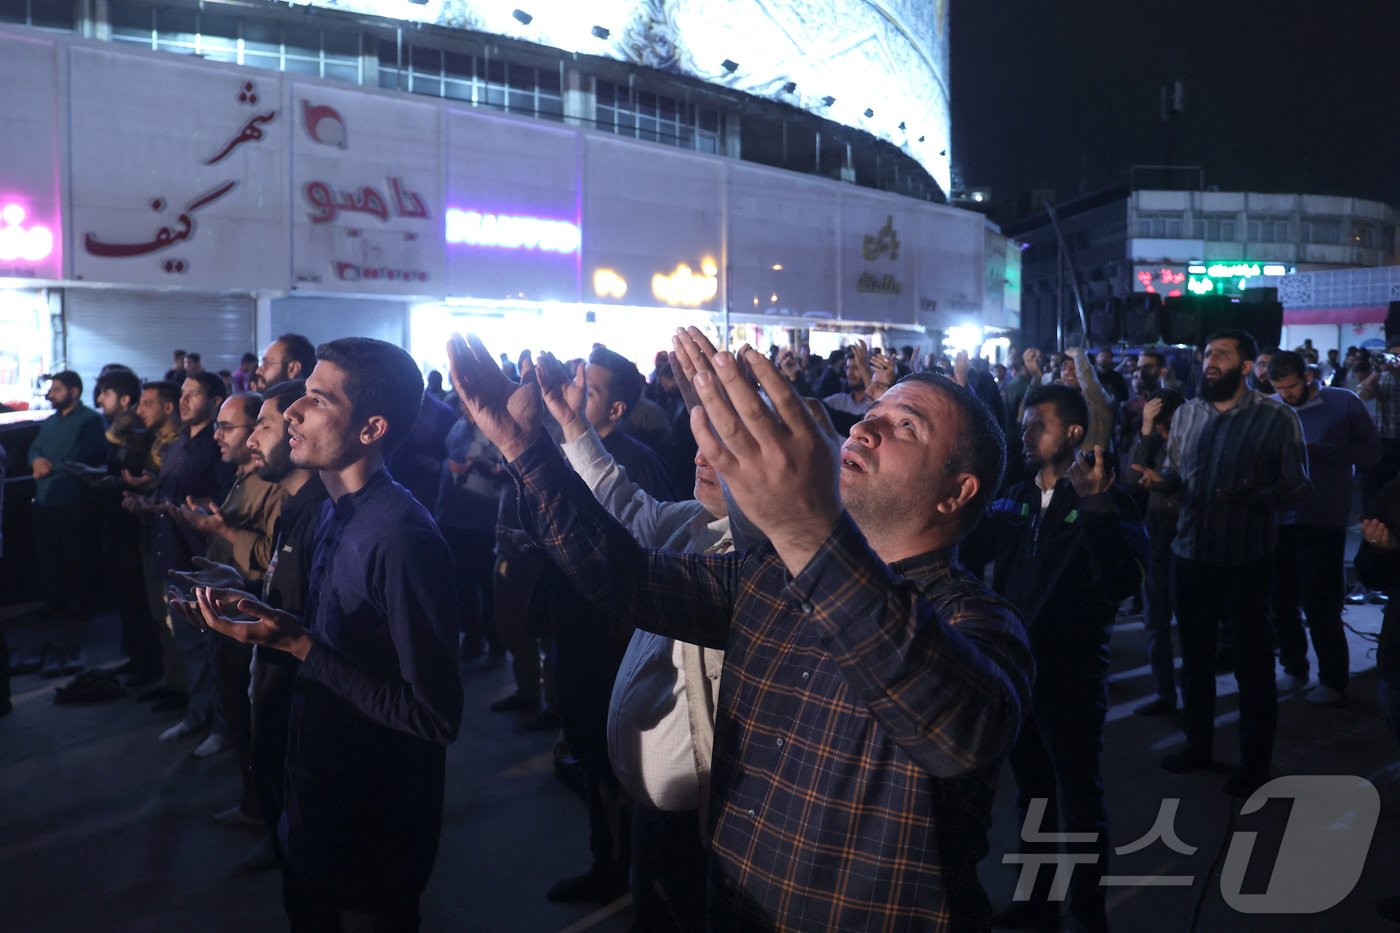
<point x="239" y="533"/>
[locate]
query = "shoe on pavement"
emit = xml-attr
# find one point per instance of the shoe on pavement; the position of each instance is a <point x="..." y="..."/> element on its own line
<point x="1157" y="707"/>
<point x="1243" y="783"/>
<point x="1292" y="683"/>
<point x="1191" y="759"/>
<point x="73" y="659"/>
<point x="514" y="702"/>
<point x="214" y="743"/>
<point x="1028" y="916"/>
<point x="55" y="656"/>
<point x="1324" y="695"/>
<point x="235" y="818"/>
<point x="28" y="663"/>
<point x="598" y="886"/>
<point x="262" y="857"/>
<point x="140" y="678"/>
<point x="178" y="731"/>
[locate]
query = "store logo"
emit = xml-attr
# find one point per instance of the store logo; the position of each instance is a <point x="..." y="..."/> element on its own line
<point x="31" y="244"/>
<point x="502" y="231"/>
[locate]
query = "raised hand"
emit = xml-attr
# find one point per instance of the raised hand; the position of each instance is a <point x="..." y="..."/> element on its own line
<point x="212" y="524"/>
<point x="1031" y="360"/>
<point x="860" y="353"/>
<point x="778" y="465"/>
<point x="565" y="397"/>
<point x="508" y="413"/>
<point x="883" y="375"/>
<point x="1150" y="411"/>
<point x="210" y="573"/>
<point x="1090" y="478"/>
<point x="1148" y="478"/>
<point x="961" y="364"/>
<point x="1376" y="533"/>
<point x="245" y="619"/>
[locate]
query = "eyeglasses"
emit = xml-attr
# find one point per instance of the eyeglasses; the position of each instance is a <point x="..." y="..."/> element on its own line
<point x="271" y="362"/>
<point x="226" y="426"/>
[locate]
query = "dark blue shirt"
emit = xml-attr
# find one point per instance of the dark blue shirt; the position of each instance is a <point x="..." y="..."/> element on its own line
<point x="191" y="467"/>
<point x="376" y="702"/>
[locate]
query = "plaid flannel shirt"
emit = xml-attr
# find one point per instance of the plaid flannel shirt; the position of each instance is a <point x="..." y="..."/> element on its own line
<point x="861" y="712"/>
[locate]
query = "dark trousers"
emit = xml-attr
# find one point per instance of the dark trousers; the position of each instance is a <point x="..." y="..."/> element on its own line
<point x="1059" y="758"/>
<point x="1309" y="571"/>
<point x="126" y="581"/>
<point x="229" y="660"/>
<point x="271" y="711"/>
<point x="65" y="552"/>
<point x="1388" y="667"/>
<point x="668" y="870"/>
<point x="1374" y="477"/>
<point x="1161" y="532"/>
<point x="313" y="910"/>
<point x="473" y="560"/>
<point x="1207" y="596"/>
<point x="515" y="573"/>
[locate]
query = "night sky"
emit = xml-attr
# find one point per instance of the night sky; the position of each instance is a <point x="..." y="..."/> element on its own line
<point x="1281" y="96"/>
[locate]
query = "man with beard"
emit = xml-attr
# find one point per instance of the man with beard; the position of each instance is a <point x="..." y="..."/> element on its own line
<point x="1258" y="377"/>
<point x="63" y="527"/>
<point x="1069" y="548"/>
<point x="378" y="698"/>
<point x="1238" y="459"/>
<point x="239" y="533"/>
<point x="870" y="684"/>
<point x="290" y="356"/>
<point x="1309" y="564"/>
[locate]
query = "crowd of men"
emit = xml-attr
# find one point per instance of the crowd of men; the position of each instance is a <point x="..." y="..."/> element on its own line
<point x="788" y="613"/>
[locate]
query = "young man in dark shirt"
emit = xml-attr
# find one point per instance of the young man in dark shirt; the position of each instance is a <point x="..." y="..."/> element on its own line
<point x="377" y="698"/>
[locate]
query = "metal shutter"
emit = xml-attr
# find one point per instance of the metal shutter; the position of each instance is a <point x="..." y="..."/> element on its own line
<point x="323" y="319"/>
<point x="140" y="329"/>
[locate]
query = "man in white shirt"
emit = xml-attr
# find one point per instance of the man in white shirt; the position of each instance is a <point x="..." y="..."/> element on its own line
<point x="661" y="715"/>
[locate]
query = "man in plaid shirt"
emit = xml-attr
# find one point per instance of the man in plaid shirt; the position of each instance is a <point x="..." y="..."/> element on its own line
<point x="870" y="684"/>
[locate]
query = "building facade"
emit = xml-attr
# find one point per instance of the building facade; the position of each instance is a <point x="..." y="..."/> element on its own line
<point x="210" y="175"/>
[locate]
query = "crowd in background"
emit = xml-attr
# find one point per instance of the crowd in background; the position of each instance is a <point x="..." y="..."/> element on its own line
<point x="1209" y="490"/>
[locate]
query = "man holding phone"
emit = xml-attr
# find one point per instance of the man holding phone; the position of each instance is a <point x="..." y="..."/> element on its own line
<point x="378" y="697"/>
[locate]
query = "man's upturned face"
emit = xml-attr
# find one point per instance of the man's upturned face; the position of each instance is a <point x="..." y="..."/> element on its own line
<point x="196" y="407"/>
<point x="1105" y="359"/>
<point x="1224" y="369"/>
<point x="272" y="456"/>
<point x="153" y="411"/>
<point x="707" y="489"/>
<point x="897" y="456"/>
<point x="320" y="430"/>
<point x="231" y="432"/>
<point x="853" y="377"/>
<point x="1294" y="389"/>
<point x="1045" y="439"/>
<point x="1068" y="374"/>
<point x="597" y="409"/>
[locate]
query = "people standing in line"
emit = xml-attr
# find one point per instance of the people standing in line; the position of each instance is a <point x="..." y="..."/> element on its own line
<point x="1309" y="562"/>
<point x="1238" y="459"/>
<point x="378" y="696"/>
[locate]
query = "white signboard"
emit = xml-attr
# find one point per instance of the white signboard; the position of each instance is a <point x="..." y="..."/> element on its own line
<point x="952" y="284"/>
<point x="31" y="242"/>
<point x="654" y="227"/>
<point x="513" y="228"/>
<point x="783" y="232"/>
<point x="367" y="212"/>
<point x="177" y="173"/>
<point x="879" y="244"/>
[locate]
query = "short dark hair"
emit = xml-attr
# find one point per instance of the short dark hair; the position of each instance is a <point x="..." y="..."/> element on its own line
<point x="1244" y="340"/>
<point x="68" y="379"/>
<point x="251" y="402"/>
<point x="166" y="391"/>
<point x="380" y="379"/>
<point x="194" y="356"/>
<point x="300" y="349"/>
<point x="178" y="353"/>
<point x="1070" y="406"/>
<point x="285" y="393"/>
<point x="212" y="385"/>
<point x="249" y="358"/>
<point x="1171" y="401"/>
<point x="981" y="448"/>
<point x="1287" y="363"/>
<point x="1157" y="355"/>
<point x="121" y="381"/>
<point x="627" y="382"/>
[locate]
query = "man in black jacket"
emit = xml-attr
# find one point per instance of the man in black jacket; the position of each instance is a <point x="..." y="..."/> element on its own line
<point x="1070" y="548"/>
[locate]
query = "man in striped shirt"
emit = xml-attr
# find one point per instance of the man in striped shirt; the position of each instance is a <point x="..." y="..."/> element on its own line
<point x="1237" y="459"/>
<point x="870" y="685"/>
